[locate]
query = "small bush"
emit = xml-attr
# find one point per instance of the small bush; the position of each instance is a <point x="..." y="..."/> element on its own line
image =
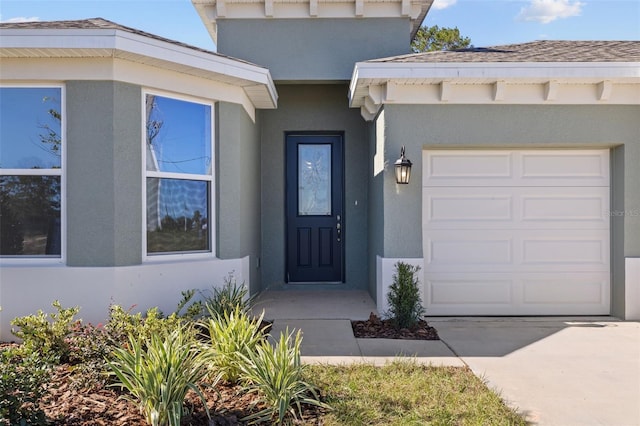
<point x="227" y="299"/>
<point x="22" y="379"/>
<point x="159" y="372"/>
<point x="89" y="346"/>
<point x="405" y="304"/>
<point x="276" y="374"/>
<point x="48" y="337"/>
<point x="122" y="324"/>
<point x="231" y="336"/>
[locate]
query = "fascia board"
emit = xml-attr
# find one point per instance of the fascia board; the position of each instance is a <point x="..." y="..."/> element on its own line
<point x="118" y="41"/>
<point x="501" y="70"/>
<point x="144" y="46"/>
<point x="57" y="39"/>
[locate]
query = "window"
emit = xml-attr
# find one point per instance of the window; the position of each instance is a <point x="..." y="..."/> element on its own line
<point x="179" y="175"/>
<point x="31" y="144"/>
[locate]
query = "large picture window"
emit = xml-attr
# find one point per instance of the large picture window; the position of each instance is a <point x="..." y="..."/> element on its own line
<point x="179" y="175"/>
<point x="31" y="145"/>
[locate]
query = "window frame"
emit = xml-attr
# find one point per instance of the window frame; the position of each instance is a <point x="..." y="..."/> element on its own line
<point x="209" y="178"/>
<point x="61" y="172"/>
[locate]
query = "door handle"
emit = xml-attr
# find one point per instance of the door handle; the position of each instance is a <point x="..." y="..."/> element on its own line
<point x="338" y="228"/>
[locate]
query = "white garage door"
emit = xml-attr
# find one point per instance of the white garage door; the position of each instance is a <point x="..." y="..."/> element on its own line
<point x="515" y="232"/>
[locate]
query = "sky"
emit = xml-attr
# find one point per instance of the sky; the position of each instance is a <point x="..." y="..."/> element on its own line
<point x="486" y="22"/>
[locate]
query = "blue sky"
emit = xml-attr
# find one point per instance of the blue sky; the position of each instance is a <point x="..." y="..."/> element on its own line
<point x="486" y="22"/>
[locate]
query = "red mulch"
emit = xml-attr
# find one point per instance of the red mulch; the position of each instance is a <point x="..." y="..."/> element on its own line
<point x="376" y="327"/>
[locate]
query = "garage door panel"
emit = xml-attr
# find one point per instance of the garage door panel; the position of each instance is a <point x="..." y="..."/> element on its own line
<point x="515" y="207"/>
<point x="579" y="168"/>
<point x="446" y="290"/>
<point x="516" y="250"/>
<point x="581" y="207"/>
<point x="562" y="289"/>
<point x="555" y="250"/>
<point x="515" y="168"/>
<point x="470" y="251"/>
<point x="516" y="294"/>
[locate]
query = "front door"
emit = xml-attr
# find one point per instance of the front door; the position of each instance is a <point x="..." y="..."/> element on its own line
<point x="315" y="217"/>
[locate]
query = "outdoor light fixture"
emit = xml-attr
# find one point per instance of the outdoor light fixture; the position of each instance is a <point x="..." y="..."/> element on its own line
<point x="403" y="168"/>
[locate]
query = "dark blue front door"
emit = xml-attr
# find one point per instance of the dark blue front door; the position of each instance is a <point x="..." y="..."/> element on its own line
<point x="314" y="207"/>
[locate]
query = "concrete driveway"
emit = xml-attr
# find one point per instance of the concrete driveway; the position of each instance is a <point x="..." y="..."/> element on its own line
<point x="555" y="371"/>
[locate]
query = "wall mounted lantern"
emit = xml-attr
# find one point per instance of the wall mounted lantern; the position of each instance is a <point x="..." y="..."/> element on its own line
<point x="403" y="168"/>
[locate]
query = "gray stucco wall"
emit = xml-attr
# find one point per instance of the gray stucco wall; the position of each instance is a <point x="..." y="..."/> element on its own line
<point x="513" y="126"/>
<point x="312" y="49"/>
<point x="314" y="108"/>
<point x="103" y="173"/>
<point x="238" y="187"/>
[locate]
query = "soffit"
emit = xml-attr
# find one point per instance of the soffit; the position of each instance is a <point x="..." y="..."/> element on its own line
<point x="212" y="10"/>
<point x="562" y="72"/>
<point x="84" y="40"/>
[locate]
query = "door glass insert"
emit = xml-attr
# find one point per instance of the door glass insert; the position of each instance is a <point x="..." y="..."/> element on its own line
<point x="314" y="179"/>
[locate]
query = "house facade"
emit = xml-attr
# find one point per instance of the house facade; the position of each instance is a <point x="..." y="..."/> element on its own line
<point x="134" y="167"/>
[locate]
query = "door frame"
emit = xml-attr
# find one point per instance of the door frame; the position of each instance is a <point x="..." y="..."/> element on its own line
<point x="287" y="187"/>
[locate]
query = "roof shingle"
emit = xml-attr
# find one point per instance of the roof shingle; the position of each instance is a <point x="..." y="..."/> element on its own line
<point x="103" y="24"/>
<point x="536" y="51"/>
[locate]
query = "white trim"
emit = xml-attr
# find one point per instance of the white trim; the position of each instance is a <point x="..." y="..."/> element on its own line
<point x="211" y="218"/>
<point x="210" y="10"/>
<point x="632" y="289"/>
<point x="114" y="44"/>
<point x="45" y="259"/>
<point x="147" y="75"/>
<point x="32" y="172"/>
<point x="494" y="70"/>
<point x="580" y="83"/>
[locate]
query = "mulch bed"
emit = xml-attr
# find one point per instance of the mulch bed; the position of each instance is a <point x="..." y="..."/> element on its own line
<point x="67" y="404"/>
<point x="378" y="328"/>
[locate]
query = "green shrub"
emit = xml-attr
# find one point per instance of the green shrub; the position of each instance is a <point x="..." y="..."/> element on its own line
<point x="232" y="335"/>
<point x="39" y="334"/>
<point x="405" y="304"/>
<point x="275" y="373"/>
<point x="123" y="323"/>
<point x="22" y="379"/>
<point x="227" y="299"/>
<point x="89" y="346"/>
<point x="159" y="372"/>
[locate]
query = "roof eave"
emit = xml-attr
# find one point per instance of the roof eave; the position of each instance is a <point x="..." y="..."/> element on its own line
<point x="117" y="43"/>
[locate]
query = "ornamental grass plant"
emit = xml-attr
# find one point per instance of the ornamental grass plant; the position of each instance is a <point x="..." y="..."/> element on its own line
<point x="232" y="335"/>
<point x="158" y="372"/>
<point x="276" y="374"/>
<point x="227" y="299"/>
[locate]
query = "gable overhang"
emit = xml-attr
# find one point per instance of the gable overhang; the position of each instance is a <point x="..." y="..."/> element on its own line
<point x="238" y="79"/>
<point x="212" y="10"/>
<point x="374" y="84"/>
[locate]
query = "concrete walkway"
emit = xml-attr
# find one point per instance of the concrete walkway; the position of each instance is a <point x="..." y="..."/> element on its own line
<point x="556" y="371"/>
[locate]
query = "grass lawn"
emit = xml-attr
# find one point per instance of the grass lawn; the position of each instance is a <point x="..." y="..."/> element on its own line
<point x="405" y="393"/>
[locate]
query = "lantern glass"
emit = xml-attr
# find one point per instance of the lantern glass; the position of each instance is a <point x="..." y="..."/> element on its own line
<point x="403" y="169"/>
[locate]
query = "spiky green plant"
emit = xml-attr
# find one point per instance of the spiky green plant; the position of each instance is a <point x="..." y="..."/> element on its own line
<point x="158" y="372"/>
<point x="227" y="299"/>
<point x="231" y="335"/>
<point x="275" y="373"/>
